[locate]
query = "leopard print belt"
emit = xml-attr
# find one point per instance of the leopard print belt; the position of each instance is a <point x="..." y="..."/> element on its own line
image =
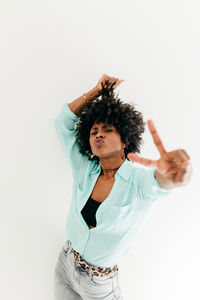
<point x="93" y="270"/>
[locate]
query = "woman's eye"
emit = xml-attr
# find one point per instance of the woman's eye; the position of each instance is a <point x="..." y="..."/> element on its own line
<point x="96" y="132"/>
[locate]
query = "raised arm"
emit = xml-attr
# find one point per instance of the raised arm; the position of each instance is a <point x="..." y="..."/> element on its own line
<point x="76" y="105"/>
<point x="105" y="82"/>
<point x="65" y="128"/>
<point x="66" y="119"/>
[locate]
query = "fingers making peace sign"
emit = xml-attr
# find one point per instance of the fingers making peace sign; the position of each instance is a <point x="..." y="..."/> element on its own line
<point x="174" y="167"/>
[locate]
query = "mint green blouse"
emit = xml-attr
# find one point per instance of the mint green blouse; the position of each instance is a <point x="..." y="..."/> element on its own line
<point x="120" y="216"/>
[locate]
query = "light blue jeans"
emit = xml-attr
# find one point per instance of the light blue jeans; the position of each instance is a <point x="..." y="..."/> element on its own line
<point x="74" y="283"/>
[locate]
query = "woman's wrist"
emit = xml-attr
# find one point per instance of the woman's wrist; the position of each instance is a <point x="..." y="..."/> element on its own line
<point x="93" y="93"/>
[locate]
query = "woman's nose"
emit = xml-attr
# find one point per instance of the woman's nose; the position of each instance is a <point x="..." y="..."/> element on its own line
<point x="99" y="135"/>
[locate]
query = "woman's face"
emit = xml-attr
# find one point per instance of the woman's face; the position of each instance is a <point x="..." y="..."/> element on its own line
<point x="110" y="143"/>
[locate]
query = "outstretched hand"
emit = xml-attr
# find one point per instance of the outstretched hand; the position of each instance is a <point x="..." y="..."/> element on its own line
<point x="172" y="168"/>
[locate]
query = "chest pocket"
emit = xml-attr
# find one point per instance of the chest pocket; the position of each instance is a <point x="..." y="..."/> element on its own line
<point x="118" y="218"/>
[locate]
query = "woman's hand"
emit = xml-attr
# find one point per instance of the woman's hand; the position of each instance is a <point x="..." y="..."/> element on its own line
<point x="108" y="82"/>
<point x="173" y="169"/>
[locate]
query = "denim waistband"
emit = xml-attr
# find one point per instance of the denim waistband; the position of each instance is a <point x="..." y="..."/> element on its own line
<point x="99" y="271"/>
<point x="68" y="245"/>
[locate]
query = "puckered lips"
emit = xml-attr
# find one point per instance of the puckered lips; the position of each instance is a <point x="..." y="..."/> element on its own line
<point x="98" y="142"/>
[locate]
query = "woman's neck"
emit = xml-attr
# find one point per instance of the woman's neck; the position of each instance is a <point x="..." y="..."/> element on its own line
<point x="110" y="167"/>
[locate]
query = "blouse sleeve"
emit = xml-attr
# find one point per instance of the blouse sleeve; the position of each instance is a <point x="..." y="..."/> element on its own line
<point x="65" y="128"/>
<point x="148" y="186"/>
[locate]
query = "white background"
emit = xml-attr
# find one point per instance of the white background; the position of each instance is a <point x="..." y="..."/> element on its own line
<point x="51" y="53"/>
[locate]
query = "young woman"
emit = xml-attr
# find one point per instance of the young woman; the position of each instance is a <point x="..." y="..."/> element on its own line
<point x="111" y="196"/>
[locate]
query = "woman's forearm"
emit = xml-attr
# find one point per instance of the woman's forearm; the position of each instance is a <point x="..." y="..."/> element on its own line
<point x="77" y="104"/>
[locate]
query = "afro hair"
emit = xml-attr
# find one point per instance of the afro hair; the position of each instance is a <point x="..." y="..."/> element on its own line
<point x="111" y="110"/>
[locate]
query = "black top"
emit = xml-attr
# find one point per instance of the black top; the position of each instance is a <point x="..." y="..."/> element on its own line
<point x="89" y="211"/>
